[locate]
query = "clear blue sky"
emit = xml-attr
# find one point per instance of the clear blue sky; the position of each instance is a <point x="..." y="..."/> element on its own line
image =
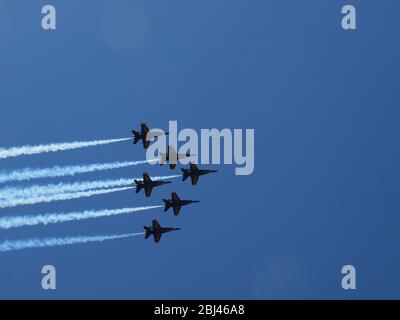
<point x="325" y="107"/>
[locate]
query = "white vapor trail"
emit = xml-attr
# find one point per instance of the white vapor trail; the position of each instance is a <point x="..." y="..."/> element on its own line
<point x="53" y="147"/>
<point x="9" y="203"/>
<point x="30" y="173"/>
<point x="51" y="189"/>
<point x="21" y="221"/>
<point x="12" y="245"/>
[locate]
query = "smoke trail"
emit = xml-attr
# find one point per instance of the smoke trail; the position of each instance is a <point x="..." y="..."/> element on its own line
<point x="29" y="173"/>
<point x="12" y="245"/>
<point x="9" y="203"/>
<point x="21" y="221"/>
<point x="53" y="147"/>
<point x="37" y="190"/>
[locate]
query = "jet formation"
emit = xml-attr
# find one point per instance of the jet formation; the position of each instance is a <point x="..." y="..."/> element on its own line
<point x="148" y="184"/>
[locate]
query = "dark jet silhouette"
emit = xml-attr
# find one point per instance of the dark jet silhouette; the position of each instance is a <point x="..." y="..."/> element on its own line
<point x="176" y="203"/>
<point x="172" y="157"/>
<point x="148" y="184"/>
<point x="194" y="173"/>
<point x="142" y="135"/>
<point x="156" y="230"/>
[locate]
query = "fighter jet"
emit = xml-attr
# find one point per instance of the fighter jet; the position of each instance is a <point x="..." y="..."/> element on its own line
<point x="148" y="184"/>
<point x="172" y="157"/>
<point x="143" y="135"/>
<point x="176" y="203"/>
<point x="194" y="173"/>
<point x="156" y="230"/>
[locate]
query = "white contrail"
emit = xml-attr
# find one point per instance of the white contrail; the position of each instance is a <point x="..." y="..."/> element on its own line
<point x="9" y="203"/>
<point x="38" y="190"/>
<point x="21" y="221"/>
<point x="53" y="147"/>
<point x="30" y="173"/>
<point x="12" y="245"/>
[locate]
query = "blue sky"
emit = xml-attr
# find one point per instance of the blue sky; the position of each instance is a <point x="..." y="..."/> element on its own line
<point x="324" y="106"/>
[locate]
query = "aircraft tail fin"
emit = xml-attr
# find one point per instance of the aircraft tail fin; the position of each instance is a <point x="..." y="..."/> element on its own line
<point x="185" y="174"/>
<point x="167" y="205"/>
<point x="136" y="136"/>
<point x="138" y="186"/>
<point x="148" y="232"/>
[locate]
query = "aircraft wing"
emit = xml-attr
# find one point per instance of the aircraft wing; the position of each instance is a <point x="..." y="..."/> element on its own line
<point x="146" y="178"/>
<point x="194" y="180"/>
<point x="146" y="143"/>
<point x="163" y="158"/>
<point x="171" y="150"/>
<point x="175" y="197"/>
<point x="172" y="157"/>
<point x="144" y="129"/>
<point x="177" y="208"/>
<point x="157" y="237"/>
<point x="156" y="225"/>
<point x="148" y="189"/>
